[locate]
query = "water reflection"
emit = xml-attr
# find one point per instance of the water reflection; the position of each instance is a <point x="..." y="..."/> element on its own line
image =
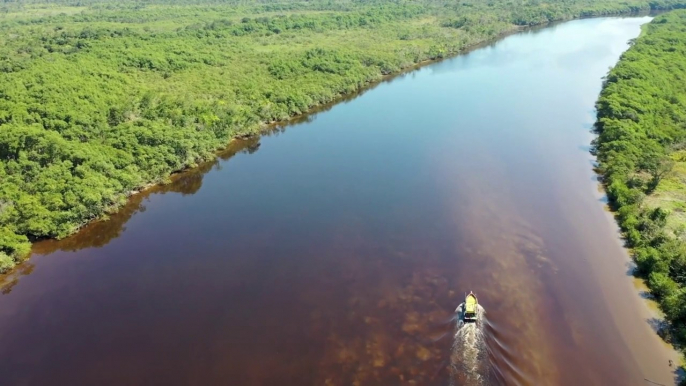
<point x="9" y="280"/>
<point x="99" y="233"/>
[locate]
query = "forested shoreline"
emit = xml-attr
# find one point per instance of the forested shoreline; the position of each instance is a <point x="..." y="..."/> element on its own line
<point x="641" y="150"/>
<point x="101" y="98"/>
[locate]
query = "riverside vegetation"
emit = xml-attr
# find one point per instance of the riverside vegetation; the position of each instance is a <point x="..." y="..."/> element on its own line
<point x="641" y="150"/>
<point x="101" y="98"/>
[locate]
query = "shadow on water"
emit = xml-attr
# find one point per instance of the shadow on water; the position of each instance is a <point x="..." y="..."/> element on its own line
<point x="99" y="233"/>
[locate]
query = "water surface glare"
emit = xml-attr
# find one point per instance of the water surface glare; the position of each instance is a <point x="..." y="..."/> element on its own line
<point x="336" y="251"/>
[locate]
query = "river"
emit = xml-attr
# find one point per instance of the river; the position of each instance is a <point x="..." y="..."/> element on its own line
<point x="334" y="251"/>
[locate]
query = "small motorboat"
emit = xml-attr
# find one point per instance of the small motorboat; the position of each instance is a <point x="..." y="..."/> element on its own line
<point x="470" y="308"/>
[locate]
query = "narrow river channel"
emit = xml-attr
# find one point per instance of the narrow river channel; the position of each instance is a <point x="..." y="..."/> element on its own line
<point x="334" y="251"/>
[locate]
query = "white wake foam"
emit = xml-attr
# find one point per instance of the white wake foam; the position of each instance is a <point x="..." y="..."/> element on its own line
<point x="469" y="357"/>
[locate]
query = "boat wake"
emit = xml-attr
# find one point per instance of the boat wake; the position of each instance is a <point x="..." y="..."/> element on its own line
<point x="469" y="363"/>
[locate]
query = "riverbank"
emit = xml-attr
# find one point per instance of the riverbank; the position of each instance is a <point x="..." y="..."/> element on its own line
<point x="156" y="90"/>
<point x="640" y="154"/>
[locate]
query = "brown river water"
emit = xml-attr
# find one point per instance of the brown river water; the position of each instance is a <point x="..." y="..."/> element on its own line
<point x="334" y="251"/>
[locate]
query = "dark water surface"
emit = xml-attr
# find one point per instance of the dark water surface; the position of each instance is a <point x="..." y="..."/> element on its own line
<point x="334" y="253"/>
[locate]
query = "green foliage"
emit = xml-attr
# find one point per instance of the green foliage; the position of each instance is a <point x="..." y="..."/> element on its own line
<point x="13" y="247"/>
<point x="99" y="98"/>
<point x="641" y="120"/>
<point x="662" y="285"/>
<point x="6" y="262"/>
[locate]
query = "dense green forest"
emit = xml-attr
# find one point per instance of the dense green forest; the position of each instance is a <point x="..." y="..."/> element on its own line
<point x="641" y="150"/>
<point x="100" y="98"/>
